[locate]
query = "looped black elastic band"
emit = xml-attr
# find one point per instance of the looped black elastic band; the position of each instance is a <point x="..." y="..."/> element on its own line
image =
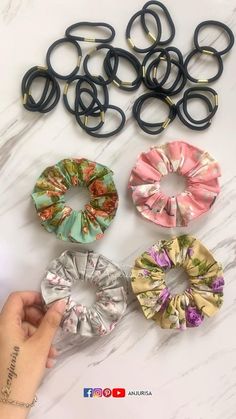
<point x="150" y="73"/>
<point x="91" y="110"/>
<point x="82" y="79"/>
<point x="184" y="119"/>
<point x="213" y="23"/>
<point x="83" y="124"/>
<point x="90" y="39"/>
<point x="214" y="103"/>
<point x="116" y="130"/>
<point x="48" y="58"/>
<point x="113" y="72"/>
<point x="179" y="82"/>
<point x="155" y="39"/>
<point x="89" y="130"/>
<point x="50" y="94"/>
<point x="137" y="109"/>
<point x="177" y="52"/>
<point x="124" y="85"/>
<point x="148" y="79"/>
<point x="209" y="51"/>
<point x="168" y="17"/>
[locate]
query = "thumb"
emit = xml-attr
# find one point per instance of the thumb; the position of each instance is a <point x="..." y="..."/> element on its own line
<point x="50" y="323"/>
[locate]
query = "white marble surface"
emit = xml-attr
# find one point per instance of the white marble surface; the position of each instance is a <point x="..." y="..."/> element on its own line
<point x="192" y="375"/>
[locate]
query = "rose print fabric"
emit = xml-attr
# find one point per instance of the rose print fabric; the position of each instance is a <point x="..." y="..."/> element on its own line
<point x="204" y="296"/>
<point x="111" y="296"/>
<point x="200" y="170"/>
<point x="84" y="226"/>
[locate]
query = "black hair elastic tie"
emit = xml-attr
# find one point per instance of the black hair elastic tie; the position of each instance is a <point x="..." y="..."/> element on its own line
<point x="179" y="82"/>
<point x="50" y="94"/>
<point x="220" y="25"/>
<point x="133" y="61"/>
<point x="154" y="38"/>
<point x="146" y="126"/>
<point x="81" y="79"/>
<point x="107" y="40"/>
<point x="49" y="53"/>
<point x="209" y="51"/>
<point x="87" y="114"/>
<point x="177" y="52"/>
<point x="116" y="130"/>
<point x="84" y="124"/>
<point x="153" y="80"/>
<point x="92" y="110"/>
<point x="184" y="119"/>
<point x="112" y="74"/>
<point x="207" y="91"/>
<point x="150" y="73"/>
<point x="168" y="17"/>
<point x="147" y="70"/>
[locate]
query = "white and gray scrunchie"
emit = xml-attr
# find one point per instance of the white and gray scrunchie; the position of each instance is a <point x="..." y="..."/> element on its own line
<point x="111" y="296"/>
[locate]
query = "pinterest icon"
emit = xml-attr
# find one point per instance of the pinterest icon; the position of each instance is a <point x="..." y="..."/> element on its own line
<point x="107" y="392"/>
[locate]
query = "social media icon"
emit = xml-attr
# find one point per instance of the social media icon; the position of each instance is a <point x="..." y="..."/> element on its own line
<point x="118" y="392"/>
<point x="88" y="392"/>
<point x="107" y="392"/>
<point x="97" y="392"/>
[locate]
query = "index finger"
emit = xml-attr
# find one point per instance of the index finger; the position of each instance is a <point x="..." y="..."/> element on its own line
<point x="17" y="301"/>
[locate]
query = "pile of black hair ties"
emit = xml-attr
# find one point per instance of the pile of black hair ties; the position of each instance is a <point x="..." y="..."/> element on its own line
<point x="91" y="104"/>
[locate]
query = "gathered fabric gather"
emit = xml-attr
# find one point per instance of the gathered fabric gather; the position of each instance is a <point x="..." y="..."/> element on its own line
<point x="93" y="269"/>
<point x="88" y="224"/>
<point x="200" y="170"/>
<point x="203" y="297"/>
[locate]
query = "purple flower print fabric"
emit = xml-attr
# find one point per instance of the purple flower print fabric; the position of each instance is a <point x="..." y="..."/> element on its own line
<point x="203" y="297"/>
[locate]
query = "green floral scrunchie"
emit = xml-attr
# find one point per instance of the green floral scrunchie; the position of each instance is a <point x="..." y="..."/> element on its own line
<point x="84" y="226"/>
<point x="204" y="296"/>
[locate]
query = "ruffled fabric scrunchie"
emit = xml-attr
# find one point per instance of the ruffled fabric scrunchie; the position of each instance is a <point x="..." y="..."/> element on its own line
<point x="91" y="268"/>
<point x="203" y="298"/>
<point x="84" y="226"/>
<point x="197" y="166"/>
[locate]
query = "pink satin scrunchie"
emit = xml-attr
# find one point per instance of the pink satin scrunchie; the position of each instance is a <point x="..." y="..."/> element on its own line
<point x="197" y="166"/>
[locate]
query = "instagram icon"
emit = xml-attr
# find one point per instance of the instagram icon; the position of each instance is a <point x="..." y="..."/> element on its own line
<point x="97" y="392"/>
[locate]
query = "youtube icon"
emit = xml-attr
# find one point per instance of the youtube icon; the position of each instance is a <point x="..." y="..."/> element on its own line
<point x="118" y="392"/>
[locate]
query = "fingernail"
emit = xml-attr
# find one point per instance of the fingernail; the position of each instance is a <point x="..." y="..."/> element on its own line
<point x="60" y="306"/>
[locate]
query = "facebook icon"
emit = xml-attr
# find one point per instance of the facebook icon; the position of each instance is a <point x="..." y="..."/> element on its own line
<point x="88" y="392"/>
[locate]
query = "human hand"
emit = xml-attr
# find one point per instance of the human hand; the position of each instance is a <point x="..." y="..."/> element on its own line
<point x="26" y="336"/>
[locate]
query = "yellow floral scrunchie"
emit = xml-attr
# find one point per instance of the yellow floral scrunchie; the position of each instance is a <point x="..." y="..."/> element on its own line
<point x="203" y="297"/>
